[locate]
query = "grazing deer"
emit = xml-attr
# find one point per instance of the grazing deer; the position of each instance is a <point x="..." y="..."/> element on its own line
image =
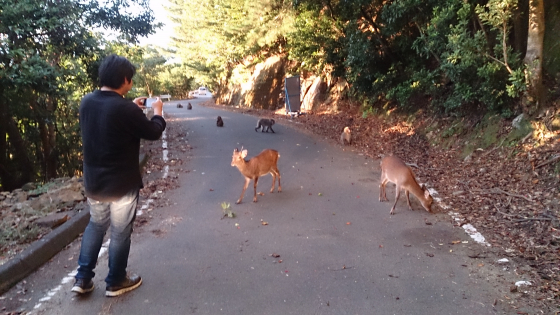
<point x="396" y="171"/>
<point x="259" y="165"/>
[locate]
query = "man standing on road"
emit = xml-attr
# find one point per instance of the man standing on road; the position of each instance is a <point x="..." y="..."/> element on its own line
<point x="112" y="127"/>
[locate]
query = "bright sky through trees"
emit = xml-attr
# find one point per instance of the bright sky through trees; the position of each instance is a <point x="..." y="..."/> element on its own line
<point x="162" y="36"/>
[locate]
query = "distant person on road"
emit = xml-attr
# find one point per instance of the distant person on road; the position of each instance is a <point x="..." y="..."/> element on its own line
<point x="111" y="128"/>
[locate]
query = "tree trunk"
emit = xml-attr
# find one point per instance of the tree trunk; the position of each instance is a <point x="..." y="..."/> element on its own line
<point x="24" y="164"/>
<point x="148" y="89"/>
<point x="48" y="144"/>
<point x="534" y="57"/>
<point x="47" y="132"/>
<point x="520" y="22"/>
<point x="4" y="174"/>
<point x="52" y="158"/>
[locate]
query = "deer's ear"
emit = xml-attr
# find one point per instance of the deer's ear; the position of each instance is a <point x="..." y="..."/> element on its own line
<point x="243" y="153"/>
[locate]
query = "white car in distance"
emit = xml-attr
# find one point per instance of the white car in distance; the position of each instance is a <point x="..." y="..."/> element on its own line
<point x="202" y="90"/>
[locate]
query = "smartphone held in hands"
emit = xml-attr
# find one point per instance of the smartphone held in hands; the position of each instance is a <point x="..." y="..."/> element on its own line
<point x="149" y="101"/>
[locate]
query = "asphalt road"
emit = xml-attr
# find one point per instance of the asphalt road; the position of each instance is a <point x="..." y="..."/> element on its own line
<point x="329" y="246"/>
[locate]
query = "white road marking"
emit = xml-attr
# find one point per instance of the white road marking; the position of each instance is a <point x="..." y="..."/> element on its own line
<point x="469" y="229"/>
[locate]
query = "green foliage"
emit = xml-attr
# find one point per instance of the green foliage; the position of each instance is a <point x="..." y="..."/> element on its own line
<point x="148" y="70"/>
<point x="517" y="80"/>
<point x="48" y="59"/>
<point x="451" y="51"/>
<point x="310" y="39"/>
<point x="213" y="37"/>
<point x="457" y="53"/>
<point x="174" y="80"/>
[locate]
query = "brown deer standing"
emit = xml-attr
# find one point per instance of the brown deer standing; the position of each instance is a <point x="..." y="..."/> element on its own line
<point x="259" y="165"/>
<point x="396" y="171"/>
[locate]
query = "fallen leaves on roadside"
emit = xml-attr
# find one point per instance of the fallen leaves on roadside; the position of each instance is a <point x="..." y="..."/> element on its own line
<point x="509" y="193"/>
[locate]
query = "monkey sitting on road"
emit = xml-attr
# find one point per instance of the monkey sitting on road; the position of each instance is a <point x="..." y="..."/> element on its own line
<point x="189" y="106"/>
<point x="265" y="123"/>
<point x="346" y="136"/>
<point x="179" y="105"/>
<point x="220" y="122"/>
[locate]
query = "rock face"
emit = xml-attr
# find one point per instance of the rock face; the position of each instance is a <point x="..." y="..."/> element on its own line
<point x="264" y="88"/>
<point x="266" y="85"/>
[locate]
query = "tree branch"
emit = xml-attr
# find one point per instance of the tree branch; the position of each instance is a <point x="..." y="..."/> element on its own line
<point x="504" y="46"/>
<point x="500" y="191"/>
<point x="426" y="42"/>
<point x="554" y="158"/>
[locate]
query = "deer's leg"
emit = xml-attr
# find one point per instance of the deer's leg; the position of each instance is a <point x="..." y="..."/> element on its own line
<point x="397" y="195"/>
<point x="244" y="188"/>
<point x="382" y="195"/>
<point x="255" y="181"/>
<point x="273" y="180"/>
<point x="279" y="186"/>
<point x="408" y="199"/>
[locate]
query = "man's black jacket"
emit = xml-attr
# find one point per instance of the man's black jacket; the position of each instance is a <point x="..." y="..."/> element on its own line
<point x="112" y="127"/>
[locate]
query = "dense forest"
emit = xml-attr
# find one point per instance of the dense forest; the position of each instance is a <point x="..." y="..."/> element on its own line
<point x="458" y="56"/>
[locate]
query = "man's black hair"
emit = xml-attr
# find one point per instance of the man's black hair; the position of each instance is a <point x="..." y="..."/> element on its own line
<point x="113" y="70"/>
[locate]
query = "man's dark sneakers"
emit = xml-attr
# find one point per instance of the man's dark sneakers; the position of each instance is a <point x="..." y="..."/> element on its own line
<point x="82" y="286"/>
<point x="130" y="283"/>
